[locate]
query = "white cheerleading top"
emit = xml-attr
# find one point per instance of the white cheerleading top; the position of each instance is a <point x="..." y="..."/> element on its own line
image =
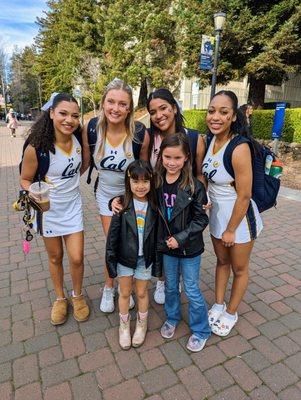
<point x="222" y="194"/>
<point x="63" y="173"/>
<point x="111" y="168"/>
<point x="65" y="214"/>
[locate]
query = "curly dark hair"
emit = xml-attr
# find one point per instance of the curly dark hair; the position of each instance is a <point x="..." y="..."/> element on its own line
<point x="41" y="134"/>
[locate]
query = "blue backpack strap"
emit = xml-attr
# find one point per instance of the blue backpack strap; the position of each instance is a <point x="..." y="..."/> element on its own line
<point x="43" y="164"/>
<point x="92" y="134"/>
<point x="78" y="135"/>
<point x="209" y="137"/>
<point x="92" y="138"/>
<point x="43" y="158"/>
<point x="193" y="137"/>
<point x="236" y="141"/>
<point x="139" y="138"/>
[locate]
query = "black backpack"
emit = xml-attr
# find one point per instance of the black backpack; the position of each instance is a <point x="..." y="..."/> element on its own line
<point x="265" y="188"/>
<point x="92" y="139"/>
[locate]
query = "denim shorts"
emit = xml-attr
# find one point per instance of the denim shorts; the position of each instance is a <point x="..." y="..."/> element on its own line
<point x="140" y="272"/>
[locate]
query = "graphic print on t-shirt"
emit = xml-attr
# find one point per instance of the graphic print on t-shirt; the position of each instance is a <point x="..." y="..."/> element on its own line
<point x="170" y="191"/>
<point x="140" y="211"/>
<point x="170" y="200"/>
<point x="140" y="218"/>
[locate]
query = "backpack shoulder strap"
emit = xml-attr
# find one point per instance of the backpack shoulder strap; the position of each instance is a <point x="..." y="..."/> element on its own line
<point x="236" y="141"/>
<point x="92" y="138"/>
<point x="43" y="164"/>
<point x="92" y="134"/>
<point x="193" y="137"/>
<point x="209" y="137"/>
<point x="43" y="158"/>
<point x="78" y="135"/>
<point x="138" y="139"/>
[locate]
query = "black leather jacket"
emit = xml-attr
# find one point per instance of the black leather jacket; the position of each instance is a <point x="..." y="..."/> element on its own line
<point x="122" y="242"/>
<point x="188" y="220"/>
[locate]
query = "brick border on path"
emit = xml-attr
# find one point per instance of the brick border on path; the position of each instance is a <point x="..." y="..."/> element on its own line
<point x="260" y="359"/>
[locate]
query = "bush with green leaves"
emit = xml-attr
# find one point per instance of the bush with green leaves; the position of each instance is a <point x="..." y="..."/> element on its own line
<point x="262" y="123"/>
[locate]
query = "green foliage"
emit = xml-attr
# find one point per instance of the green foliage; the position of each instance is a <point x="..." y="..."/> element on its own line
<point x="69" y="30"/>
<point x="24" y="81"/>
<point x="195" y="119"/>
<point x="140" y="42"/>
<point x="262" y="123"/>
<point x="156" y="42"/>
<point x="260" y="38"/>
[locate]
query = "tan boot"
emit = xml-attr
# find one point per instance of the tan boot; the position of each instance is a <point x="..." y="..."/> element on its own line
<point x="140" y="332"/>
<point x="80" y="308"/>
<point x="125" y="334"/>
<point x="59" y="312"/>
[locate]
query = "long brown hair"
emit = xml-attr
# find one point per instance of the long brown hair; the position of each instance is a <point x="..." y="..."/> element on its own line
<point x="176" y="140"/>
<point x="139" y="169"/>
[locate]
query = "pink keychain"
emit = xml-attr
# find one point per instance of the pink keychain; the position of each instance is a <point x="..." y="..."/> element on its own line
<point x="26" y="247"/>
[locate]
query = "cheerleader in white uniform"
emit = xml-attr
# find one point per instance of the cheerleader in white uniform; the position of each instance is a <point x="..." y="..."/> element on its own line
<point x="113" y="153"/>
<point x="65" y="215"/>
<point x="111" y="168"/>
<point x="234" y="219"/>
<point x="54" y="132"/>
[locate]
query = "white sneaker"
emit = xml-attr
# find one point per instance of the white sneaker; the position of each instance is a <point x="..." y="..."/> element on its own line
<point x="159" y="294"/>
<point x="107" y="301"/>
<point x="132" y="301"/>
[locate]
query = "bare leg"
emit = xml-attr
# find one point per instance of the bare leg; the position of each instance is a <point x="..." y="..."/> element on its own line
<point x="75" y="250"/>
<point x="142" y="295"/>
<point x="222" y="272"/>
<point x="240" y="258"/>
<point x="105" y="221"/>
<point x="54" y="248"/>
<point x="125" y="286"/>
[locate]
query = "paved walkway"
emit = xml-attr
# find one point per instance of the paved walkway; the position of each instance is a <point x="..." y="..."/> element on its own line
<point x="260" y="360"/>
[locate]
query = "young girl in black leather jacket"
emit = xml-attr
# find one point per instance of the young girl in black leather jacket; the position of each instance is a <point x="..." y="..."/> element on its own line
<point x="181" y="222"/>
<point x="131" y="248"/>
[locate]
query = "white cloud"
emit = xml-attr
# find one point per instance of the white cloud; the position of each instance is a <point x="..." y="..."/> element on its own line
<point x="17" y="20"/>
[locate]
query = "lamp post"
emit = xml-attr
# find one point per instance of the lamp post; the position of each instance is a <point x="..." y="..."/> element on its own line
<point x="4" y="94"/>
<point x="219" y="21"/>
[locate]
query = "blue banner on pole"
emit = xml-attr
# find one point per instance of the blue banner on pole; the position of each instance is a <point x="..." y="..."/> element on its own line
<point x="278" y="120"/>
<point x="206" y="57"/>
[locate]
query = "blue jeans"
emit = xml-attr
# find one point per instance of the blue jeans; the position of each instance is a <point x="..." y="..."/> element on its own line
<point x="197" y="308"/>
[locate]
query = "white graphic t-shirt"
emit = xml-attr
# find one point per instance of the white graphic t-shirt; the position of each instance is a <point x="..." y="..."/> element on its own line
<point x="140" y="210"/>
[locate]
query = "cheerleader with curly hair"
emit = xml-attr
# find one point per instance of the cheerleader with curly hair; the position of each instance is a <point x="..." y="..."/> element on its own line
<point x="55" y="132"/>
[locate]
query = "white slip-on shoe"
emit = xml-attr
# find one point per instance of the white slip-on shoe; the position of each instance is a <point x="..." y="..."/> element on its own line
<point x="107" y="301"/>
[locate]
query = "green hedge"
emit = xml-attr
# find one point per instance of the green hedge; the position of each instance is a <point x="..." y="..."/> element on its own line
<point x="262" y="123"/>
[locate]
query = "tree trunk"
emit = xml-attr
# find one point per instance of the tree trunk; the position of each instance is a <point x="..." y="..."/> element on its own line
<point x="256" y="92"/>
<point x="143" y="93"/>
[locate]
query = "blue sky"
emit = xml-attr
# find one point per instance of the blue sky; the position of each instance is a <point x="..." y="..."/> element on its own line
<point x="17" y="22"/>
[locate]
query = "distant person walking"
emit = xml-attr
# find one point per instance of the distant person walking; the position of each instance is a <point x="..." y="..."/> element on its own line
<point x="12" y="122"/>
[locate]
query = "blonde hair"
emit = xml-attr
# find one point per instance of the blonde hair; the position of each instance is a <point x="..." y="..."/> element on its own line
<point x="102" y="124"/>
